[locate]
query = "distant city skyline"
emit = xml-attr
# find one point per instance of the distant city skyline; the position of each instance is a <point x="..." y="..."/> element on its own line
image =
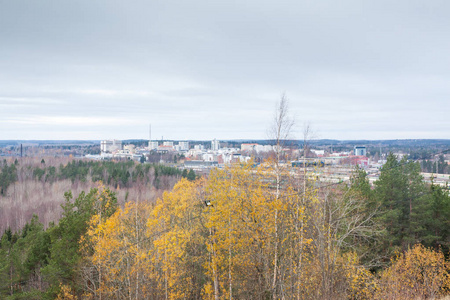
<point x="201" y="70"/>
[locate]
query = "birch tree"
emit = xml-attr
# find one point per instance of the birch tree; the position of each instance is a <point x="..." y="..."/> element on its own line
<point x="280" y="131"/>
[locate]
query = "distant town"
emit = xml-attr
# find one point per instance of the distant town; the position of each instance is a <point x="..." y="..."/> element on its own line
<point x="332" y="161"/>
<point x="184" y="195"/>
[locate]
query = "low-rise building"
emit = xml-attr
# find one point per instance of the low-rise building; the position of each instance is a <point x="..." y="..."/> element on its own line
<point x="256" y="147"/>
<point x="152" y="145"/>
<point x="165" y="149"/>
<point x="130" y="148"/>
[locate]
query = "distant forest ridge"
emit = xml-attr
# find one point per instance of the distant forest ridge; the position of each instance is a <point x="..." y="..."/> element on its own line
<point x="317" y="142"/>
<point x="4" y="143"/>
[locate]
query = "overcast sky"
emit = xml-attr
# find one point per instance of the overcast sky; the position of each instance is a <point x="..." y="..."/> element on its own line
<point x="205" y="69"/>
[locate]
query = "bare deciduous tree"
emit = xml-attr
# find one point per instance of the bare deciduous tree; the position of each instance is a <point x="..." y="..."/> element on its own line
<point x="280" y="131"/>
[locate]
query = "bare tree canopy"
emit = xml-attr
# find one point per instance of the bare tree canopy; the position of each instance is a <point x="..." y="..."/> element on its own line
<point x="283" y="122"/>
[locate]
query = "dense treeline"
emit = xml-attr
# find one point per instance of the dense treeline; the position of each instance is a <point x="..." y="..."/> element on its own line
<point x="120" y="173"/>
<point x="116" y="173"/>
<point x="440" y="166"/>
<point x="408" y="210"/>
<point x="242" y="233"/>
<point x="34" y="261"/>
<point x="36" y="186"/>
<point x="8" y="175"/>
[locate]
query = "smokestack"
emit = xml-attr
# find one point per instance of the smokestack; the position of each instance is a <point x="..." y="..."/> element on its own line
<point x="21" y="150"/>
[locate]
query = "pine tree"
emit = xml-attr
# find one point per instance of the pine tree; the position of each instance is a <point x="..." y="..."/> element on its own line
<point x="400" y="193"/>
<point x="191" y="175"/>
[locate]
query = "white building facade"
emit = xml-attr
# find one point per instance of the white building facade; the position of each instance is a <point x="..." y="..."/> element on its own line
<point x="184" y="146"/>
<point x="152" y="145"/>
<point x="215" y="145"/>
<point x="360" y="151"/>
<point x="110" y="145"/>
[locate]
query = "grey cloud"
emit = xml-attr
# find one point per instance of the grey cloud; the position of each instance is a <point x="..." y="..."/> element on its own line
<point x="204" y="69"/>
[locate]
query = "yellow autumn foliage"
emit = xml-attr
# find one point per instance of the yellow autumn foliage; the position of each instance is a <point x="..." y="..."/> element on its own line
<point x="241" y="233"/>
<point x="65" y="293"/>
<point x="420" y="273"/>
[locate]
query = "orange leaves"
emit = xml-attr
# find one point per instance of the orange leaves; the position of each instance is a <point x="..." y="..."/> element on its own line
<point x="244" y="234"/>
<point x="65" y="293"/>
<point x="174" y="230"/>
<point x="118" y="252"/>
<point x="181" y="248"/>
<point x="419" y="273"/>
<point x="361" y="283"/>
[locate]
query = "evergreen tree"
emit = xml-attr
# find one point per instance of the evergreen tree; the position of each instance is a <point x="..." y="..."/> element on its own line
<point x="400" y="192"/>
<point x="65" y="237"/>
<point x="359" y="183"/>
<point x="8" y="175"/>
<point x="436" y="232"/>
<point x="21" y="258"/>
<point x="191" y="175"/>
<point x="5" y="264"/>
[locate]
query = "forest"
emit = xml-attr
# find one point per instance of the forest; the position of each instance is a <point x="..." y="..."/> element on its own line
<point x="242" y="232"/>
<point x="37" y="185"/>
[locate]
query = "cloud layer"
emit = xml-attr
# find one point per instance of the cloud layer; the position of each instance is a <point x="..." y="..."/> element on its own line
<point x="214" y="69"/>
